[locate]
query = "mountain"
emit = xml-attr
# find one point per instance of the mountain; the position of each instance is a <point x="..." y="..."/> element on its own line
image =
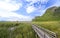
<point x="51" y="14"/>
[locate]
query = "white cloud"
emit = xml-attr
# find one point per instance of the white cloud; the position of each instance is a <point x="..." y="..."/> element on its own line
<point x="42" y="7"/>
<point x="7" y="0"/>
<point x="9" y="6"/>
<point x="30" y="9"/>
<point x="44" y="1"/>
<point x="23" y="18"/>
<point x="34" y="1"/>
<point x="37" y="0"/>
<point x="11" y="16"/>
<point x="6" y="11"/>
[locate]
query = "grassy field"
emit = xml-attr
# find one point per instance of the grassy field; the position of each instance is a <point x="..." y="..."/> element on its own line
<point x="50" y="20"/>
<point x="24" y="30"/>
<point x="50" y="25"/>
<point x="16" y="30"/>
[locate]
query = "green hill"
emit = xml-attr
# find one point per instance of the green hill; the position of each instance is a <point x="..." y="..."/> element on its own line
<point x="51" y="14"/>
<point x="50" y="20"/>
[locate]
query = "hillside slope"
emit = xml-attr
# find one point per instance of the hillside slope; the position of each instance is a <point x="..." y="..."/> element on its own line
<point x="51" y="14"/>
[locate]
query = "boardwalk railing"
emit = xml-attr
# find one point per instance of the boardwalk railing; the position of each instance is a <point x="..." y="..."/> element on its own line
<point x="43" y="33"/>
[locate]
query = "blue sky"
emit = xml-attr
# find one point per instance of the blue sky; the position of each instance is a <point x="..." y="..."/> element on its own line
<point x="24" y="10"/>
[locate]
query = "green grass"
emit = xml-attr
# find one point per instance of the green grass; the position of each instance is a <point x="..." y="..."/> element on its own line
<point x="24" y="30"/>
<point x="50" y="25"/>
<point x="16" y="30"/>
<point x="50" y="20"/>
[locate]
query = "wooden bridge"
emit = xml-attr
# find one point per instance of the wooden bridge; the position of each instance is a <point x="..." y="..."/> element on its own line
<point x="43" y="33"/>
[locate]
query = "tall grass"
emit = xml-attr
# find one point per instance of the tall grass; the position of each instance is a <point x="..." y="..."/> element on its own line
<point x="16" y="30"/>
<point x="50" y="25"/>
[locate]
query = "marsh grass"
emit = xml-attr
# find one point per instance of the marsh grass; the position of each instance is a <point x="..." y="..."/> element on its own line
<point x="50" y="25"/>
<point x="16" y="30"/>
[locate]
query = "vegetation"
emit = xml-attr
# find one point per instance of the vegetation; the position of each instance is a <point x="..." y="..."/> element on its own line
<point x="50" y="20"/>
<point x="52" y="14"/>
<point x="16" y="30"/>
<point x="53" y="26"/>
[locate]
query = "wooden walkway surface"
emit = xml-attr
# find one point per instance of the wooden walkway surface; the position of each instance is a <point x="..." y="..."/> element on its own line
<point x="43" y="33"/>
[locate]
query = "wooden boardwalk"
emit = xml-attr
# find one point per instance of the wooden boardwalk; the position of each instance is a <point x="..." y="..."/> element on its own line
<point x="43" y="33"/>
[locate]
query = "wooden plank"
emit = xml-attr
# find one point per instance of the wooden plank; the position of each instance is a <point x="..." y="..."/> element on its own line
<point x="43" y="33"/>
